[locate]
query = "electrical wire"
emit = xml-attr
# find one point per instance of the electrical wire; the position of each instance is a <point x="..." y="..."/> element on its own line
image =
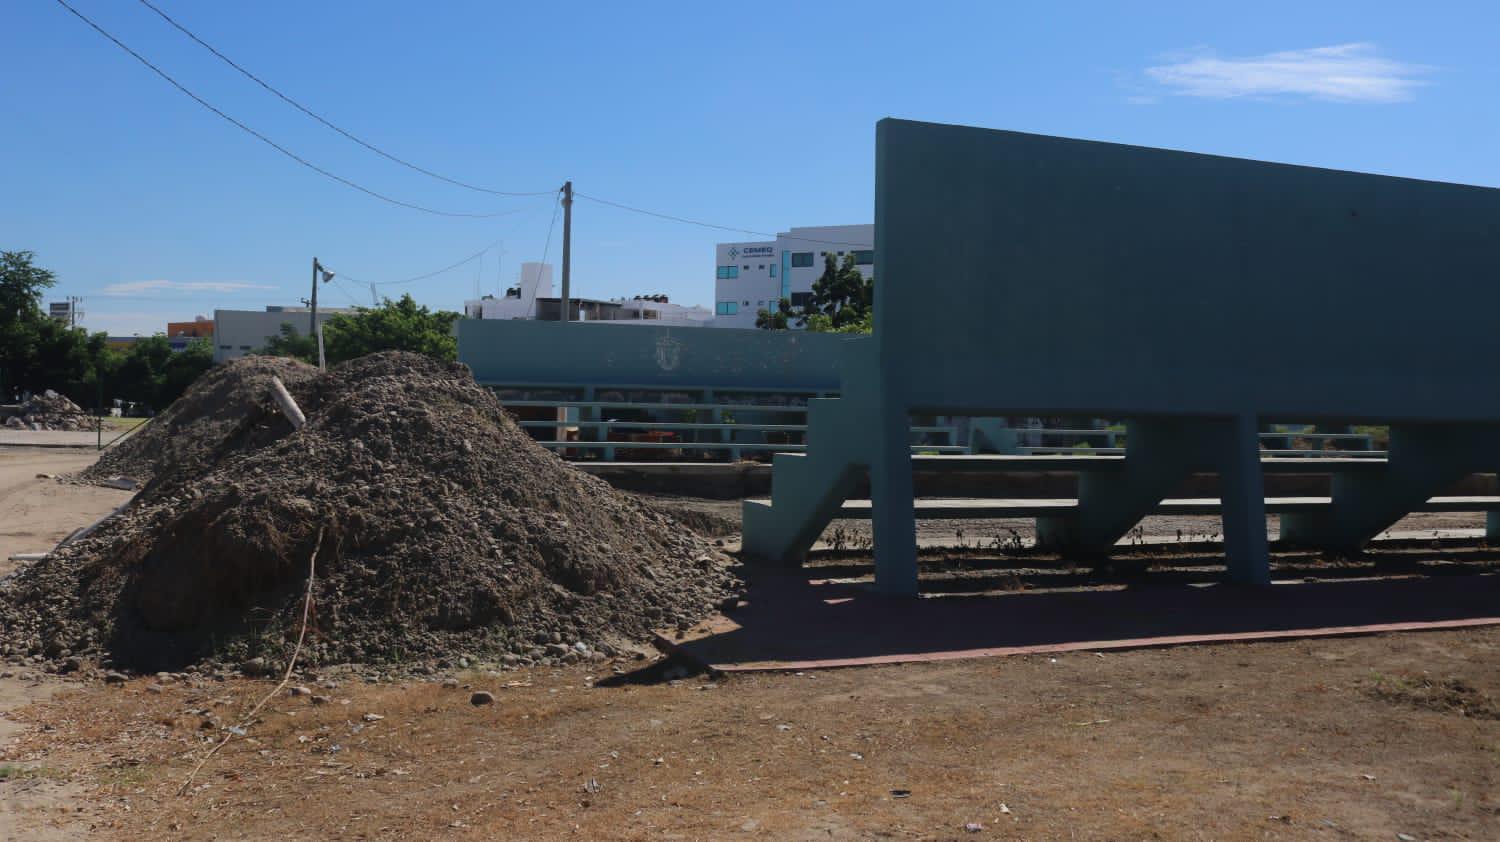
<point x="309" y="112"/>
<point x="426" y="275"/>
<point x="699" y="223"/>
<point x="339" y="282"/>
<point x="262" y="138"/>
<point x="548" y="246"/>
<point x="449" y="267"/>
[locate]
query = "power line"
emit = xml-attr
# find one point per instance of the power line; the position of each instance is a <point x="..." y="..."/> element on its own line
<point x="257" y="135"/>
<point x="309" y="112"/>
<point x="548" y="246"/>
<point x="425" y="275"/>
<point x="701" y="224"/>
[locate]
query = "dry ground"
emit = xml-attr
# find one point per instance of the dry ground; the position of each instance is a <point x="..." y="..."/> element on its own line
<point x="36" y="513"/>
<point x="1358" y="738"/>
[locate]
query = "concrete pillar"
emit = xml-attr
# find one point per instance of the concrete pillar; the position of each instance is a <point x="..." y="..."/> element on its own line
<point x="1242" y="492"/>
<point x="892" y="502"/>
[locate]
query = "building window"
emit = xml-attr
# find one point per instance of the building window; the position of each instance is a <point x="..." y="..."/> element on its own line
<point x="801" y="258"/>
<point x="841" y="254"/>
<point x="761" y="268"/>
<point x="727" y="308"/>
<point x="760" y="304"/>
<point x="801" y="300"/>
<point x="865" y="257"/>
<point x="226" y="347"/>
<point x="727" y="273"/>
<point x="746" y="268"/>
<point x="773" y="270"/>
<point x="747" y="304"/>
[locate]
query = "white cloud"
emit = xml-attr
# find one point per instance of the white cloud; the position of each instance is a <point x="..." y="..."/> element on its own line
<point x="137" y="288"/>
<point x="1353" y="73"/>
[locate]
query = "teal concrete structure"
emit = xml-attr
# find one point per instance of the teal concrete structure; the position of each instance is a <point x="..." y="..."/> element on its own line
<point x="1197" y="297"/>
<point x="520" y="352"/>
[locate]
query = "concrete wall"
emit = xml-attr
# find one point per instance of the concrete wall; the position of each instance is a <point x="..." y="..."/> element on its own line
<point x="602" y="354"/>
<point x="1028" y="274"/>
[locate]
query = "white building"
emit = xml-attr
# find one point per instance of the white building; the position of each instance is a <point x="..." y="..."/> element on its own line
<point x="751" y="277"/>
<point x="657" y="310"/>
<point x="532" y="298"/>
<point x="534" y="282"/>
<point x="240" y="332"/>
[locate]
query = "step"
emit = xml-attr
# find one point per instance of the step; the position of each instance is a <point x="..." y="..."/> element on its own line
<point x="965" y="508"/>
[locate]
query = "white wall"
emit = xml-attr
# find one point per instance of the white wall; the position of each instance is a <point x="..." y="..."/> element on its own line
<point x="239" y="332"/>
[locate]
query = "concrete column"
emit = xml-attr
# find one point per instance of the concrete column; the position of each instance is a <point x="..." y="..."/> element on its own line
<point x="892" y="502"/>
<point x="1242" y="492"/>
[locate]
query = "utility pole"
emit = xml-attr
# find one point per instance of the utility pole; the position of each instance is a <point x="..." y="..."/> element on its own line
<point x="567" y="266"/>
<point x="312" y="322"/>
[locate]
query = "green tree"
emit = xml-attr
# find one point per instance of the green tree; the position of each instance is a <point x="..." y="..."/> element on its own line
<point x="819" y="323"/>
<point x="181" y="369"/>
<point x="842" y="294"/>
<point x="393" y="326"/>
<point x="780" y="319"/>
<point x="39" y="352"/>
<point x="290" y="343"/>
<point x="21" y="285"/>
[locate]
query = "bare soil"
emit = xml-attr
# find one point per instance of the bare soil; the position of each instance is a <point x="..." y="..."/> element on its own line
<point x="1351" y="738"/>
<point x="37" y="512"/>
<point x="1292" y="740"/>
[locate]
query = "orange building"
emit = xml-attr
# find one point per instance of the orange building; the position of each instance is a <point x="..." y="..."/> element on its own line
<point x="199" y="328"/>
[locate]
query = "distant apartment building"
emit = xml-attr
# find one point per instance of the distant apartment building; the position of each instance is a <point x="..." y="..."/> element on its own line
<point x="532" y="298"/>
<point x="65" y="311"/>
<point x="754" y="276"/>
<point x="520" y="301"/>
<point x="240" y="332"/>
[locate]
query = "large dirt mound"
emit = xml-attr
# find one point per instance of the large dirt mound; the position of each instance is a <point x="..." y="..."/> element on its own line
<point x="445" y="529"/>
<point x="193" y="433"/>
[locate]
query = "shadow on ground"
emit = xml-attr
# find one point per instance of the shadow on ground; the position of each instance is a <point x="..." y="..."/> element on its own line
<point x="986" y="603"/>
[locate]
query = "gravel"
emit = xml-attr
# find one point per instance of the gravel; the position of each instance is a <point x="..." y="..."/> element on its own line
<point x="198" y="430"/>
<point x="445" y="529"/>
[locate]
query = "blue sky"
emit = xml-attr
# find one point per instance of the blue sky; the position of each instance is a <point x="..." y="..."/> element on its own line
<point x="758" y="116"/>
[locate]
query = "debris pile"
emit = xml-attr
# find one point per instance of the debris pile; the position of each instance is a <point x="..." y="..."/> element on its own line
<point x="195" y="433"/>
<point x="50" y="411"/>
<point x="445" y="530"/>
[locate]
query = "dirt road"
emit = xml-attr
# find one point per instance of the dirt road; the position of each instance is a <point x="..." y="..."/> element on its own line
<point x="37" y="513"/>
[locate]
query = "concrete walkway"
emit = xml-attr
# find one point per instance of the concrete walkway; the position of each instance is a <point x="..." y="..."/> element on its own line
<point x="57" y="438"/>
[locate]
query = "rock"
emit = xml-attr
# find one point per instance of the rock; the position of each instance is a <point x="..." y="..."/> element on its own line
<point x="299" y="691"/>
<point x="482" y="697"/>
<point x="73" y="664"/>
<point x="154" y="688"/>
<point x="321" y="700"/>
<point x="255" y="666"/>
<point x="113" y="677"/>
<point x="450" y="684"/>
